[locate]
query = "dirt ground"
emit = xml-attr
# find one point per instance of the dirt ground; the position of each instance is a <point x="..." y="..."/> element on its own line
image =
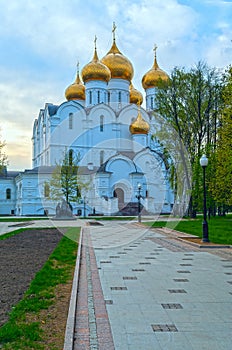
<point x="21" y="256"/>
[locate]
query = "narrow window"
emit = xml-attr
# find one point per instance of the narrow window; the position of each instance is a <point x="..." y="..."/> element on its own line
<point x="90" y="97"/>
<point x="108" y="97"/>
<point x="46" y="190"/>
<point x="70" y="120"/>
<point x="152" y="103"/>
<point x="98" y="97"/>
<point x="101" y="123"/>
<point x="119" y="97"/>
<point x="101" y="157"/>
<point x="8" y="193"/>
<point x="70" y="157"/>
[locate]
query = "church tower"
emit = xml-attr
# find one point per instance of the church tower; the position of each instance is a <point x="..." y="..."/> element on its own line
<point x="76" y="91"/>
<point x="95" y="75"/>
<point x="150" y="82"/>
<point x="122" y="73"/>
<point x="139" y="129"/>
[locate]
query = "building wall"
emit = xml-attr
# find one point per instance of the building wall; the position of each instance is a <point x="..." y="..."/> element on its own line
<point x="7" y="196"/>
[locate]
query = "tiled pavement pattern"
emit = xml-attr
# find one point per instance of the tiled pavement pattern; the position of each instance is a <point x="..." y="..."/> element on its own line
<point x="161" y="293"/>
<point x="143" y="274"/>
<point x="92" y="329"/>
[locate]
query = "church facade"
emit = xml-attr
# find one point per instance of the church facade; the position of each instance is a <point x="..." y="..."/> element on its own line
<point x="102" y="121"/>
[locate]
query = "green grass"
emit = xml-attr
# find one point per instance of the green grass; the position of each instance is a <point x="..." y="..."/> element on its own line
<point x="220" y="228"/>
<point x="19" y="333"/>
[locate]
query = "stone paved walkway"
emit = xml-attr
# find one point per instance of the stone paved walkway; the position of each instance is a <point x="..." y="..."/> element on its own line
<point x="142" y="289"/>
<point x="163" y="294"/>
<point x="92" y="329"/>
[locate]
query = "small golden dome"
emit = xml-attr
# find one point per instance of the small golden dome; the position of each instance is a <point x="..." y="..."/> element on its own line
<point x="119" y="66"/>
<point x="95" y="70"/>
<point x="139" y="125"/>
<point x="135" y="95"/>
<point x="75" y="91"/>
<point x="154" y="75"/>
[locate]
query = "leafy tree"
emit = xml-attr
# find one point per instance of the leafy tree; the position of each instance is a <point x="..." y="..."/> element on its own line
<point x="3" y="156"/>
<point x="65" y="182"/>
<point x="221" y="188"/>
<point x="189" y="102"/>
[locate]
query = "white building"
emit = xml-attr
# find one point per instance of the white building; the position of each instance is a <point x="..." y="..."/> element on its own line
<point x="101" y="120"/>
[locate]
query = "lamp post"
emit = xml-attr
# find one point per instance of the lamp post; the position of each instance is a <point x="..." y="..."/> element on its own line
<point x="139" y="201"/>
<point x="205" y="237"/>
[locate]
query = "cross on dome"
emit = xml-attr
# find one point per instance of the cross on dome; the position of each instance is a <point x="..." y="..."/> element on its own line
<point x="155" y="49"/>
<point x="114" y="29"/>
<point x="95" y="41"/>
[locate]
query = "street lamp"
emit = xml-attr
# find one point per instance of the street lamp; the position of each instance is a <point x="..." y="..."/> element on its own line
<point x="204" y="163"/>
<point x="139" y="201"/>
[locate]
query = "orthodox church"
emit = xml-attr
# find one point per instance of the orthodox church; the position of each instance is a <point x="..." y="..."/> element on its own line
<point x="102" y="121"/>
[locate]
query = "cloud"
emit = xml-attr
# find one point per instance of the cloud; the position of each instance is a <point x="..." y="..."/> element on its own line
<point x="41" y="41"/>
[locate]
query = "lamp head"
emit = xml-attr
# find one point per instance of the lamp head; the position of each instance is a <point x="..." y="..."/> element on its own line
<point x="204" y="161"/>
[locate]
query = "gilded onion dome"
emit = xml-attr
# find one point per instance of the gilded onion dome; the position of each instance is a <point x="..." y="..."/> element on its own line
<point x="139" y="125"/>
<point x="75" y="91"/>
<point x="95" y="70"/>
<point x="120" y="67"/>
<point x="154" y="75"/>
<point x="135" y="95"/>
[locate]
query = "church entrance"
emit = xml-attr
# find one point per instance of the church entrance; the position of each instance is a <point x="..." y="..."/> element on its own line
<point x="119" y="193"/>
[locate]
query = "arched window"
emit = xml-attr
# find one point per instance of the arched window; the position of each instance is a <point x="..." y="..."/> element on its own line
<point x="70" y="121"/>
<point x="101" y="157"/>
<point x="101" y="123"/>
<point x="46" y="190"/>
<point x="8" y="193"/>
<point x="98" y="97"/>
<point x="70" y="157"/>
<point x="90" y="97"/>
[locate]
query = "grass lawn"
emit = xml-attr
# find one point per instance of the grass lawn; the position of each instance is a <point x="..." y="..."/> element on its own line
<point x="220" y="228"/>
<point x="29" y="319"/>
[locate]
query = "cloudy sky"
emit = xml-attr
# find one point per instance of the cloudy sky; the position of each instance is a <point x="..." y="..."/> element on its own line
<point x="41" y="41"/>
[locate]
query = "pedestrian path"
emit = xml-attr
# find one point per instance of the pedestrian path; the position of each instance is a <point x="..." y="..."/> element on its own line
<point x="6" y="227"/>
<point x="142" y="289"/>
<point x="92" y="329"/>
<point x="162" y="296"/>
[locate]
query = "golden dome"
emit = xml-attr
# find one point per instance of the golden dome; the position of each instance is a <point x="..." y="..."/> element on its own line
<point x="120" y="67"/>
<point x="95" y="70"/>
<point x="135" y="95"/>
<point x="139" y="125"/>
<point x="154" y="75"/>
<point x="75" y="91"/>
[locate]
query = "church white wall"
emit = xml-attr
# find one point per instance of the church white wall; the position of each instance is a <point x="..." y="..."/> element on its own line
<point x="119" y="95"/>
<point x="150" y="99"/>
<point x="7" y="205"/>
<point x="154" y="178"/>
<point x="31" y="196"/>
<point x="95" y="92"/>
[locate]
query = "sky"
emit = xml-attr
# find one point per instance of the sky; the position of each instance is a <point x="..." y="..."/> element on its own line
<point x="41" y="42"/>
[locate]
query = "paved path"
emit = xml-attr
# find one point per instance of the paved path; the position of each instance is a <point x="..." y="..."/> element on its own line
<point x="152" y="290"/>
<point x="92" y="328"/>
<point x="162" y="294"/>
